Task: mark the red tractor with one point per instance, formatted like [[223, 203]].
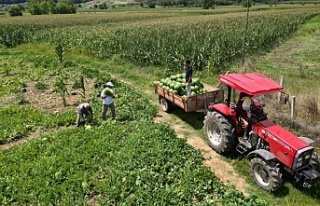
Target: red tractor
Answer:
[[271, 149]]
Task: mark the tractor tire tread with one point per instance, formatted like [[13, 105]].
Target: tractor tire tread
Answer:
[[274, 171], [226, 130]]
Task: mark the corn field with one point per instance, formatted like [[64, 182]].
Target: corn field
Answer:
[[212, 42]]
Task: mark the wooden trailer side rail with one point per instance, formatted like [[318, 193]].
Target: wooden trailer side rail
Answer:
[[192, 103]]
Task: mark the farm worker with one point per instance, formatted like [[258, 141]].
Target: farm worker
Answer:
[[85, 112], [243, 111], [188, 76], [107, 96]]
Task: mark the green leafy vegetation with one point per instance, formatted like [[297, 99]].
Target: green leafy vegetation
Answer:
[[18, 121], [15, 11], [133, 163], [168, 43]]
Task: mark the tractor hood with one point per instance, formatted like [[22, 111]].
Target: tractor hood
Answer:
[[250, 83], [279, 136]]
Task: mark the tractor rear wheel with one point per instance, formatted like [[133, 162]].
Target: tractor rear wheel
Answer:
[[266, 174], [165, 104], [219, 132]]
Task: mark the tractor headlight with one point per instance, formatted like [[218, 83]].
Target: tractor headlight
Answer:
[[299, 164], [302, 157]]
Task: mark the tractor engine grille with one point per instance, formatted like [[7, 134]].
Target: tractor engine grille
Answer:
[[302, 158]]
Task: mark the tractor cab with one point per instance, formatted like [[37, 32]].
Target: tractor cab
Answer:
[[253, 84]]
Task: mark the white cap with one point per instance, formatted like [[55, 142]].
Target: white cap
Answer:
[[109, 84], [86, 105]]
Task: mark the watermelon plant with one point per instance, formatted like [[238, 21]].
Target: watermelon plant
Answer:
[[132, 163], [18, 121]]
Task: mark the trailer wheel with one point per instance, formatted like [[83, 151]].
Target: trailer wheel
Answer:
[[219, 132], [266, 175], [165, 104]]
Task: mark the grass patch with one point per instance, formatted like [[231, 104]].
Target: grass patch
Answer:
[[312, 27]]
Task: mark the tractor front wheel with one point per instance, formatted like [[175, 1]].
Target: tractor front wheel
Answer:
[[219, 132], [266, 174], [315, 161]]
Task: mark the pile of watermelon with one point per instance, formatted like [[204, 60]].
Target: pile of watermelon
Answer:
[[176, 84]]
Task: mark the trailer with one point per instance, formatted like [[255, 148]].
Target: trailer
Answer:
[[195, 103]]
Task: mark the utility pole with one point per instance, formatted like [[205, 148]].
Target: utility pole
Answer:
[[245, 36]]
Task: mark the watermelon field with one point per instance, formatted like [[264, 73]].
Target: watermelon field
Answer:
[[51, 63]]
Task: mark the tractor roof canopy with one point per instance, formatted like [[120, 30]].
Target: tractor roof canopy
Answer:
[[250, 83]]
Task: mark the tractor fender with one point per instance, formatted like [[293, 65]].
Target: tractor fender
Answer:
[[223, 109], [307, 140], [264, 154]]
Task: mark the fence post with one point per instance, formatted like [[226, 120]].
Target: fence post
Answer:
[[279, 93], [293, 109]]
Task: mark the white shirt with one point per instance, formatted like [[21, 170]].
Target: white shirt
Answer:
[[246, 105], [108, 100]]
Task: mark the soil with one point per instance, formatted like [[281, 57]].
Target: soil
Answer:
[[52, 101], [46, 100]]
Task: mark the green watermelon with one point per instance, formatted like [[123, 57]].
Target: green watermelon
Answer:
[[177, 86], [108, 92], [173, 77]]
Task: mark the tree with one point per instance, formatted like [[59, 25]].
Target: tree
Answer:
[[152, 5], [15, 11], [52, 6], [45, 9], [65, 8], [103, 6], [246, 3], [208, 4], [72, 6], [34, 7]]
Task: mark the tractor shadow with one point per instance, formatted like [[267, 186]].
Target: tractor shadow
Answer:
[[310, 193], [194, 119]]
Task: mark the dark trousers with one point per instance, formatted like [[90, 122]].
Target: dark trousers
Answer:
[[84, 117], [105, 108]]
